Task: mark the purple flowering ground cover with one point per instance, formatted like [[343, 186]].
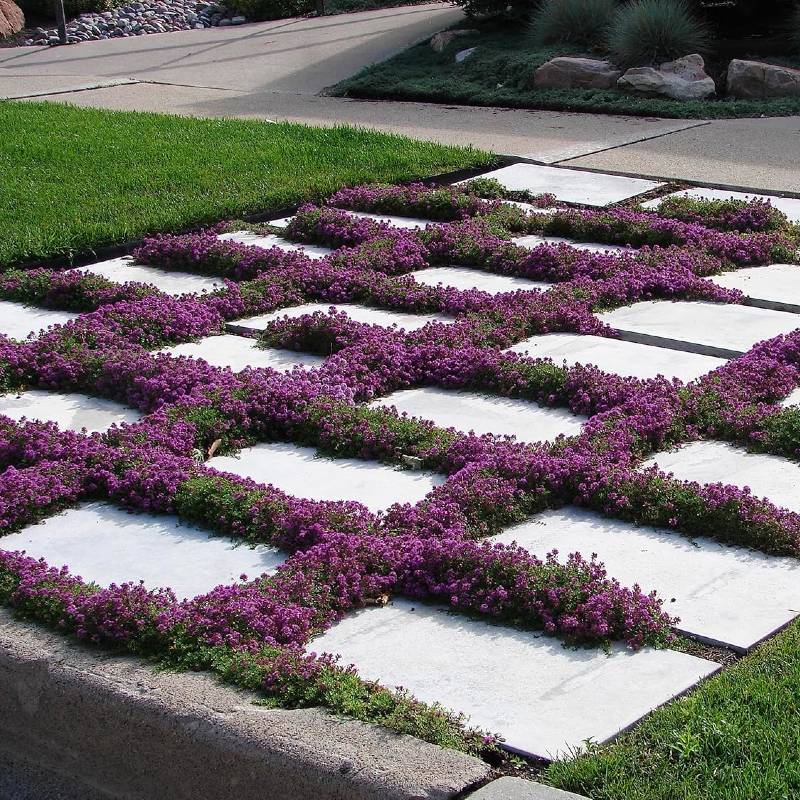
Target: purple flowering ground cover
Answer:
[[342, 556]]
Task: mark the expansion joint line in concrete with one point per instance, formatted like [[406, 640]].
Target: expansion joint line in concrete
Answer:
[[527, 160]]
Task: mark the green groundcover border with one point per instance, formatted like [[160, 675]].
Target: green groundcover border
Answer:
[[500, 73]]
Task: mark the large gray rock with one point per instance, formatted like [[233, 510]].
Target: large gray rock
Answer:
[[11, 18], [440, 41], [753, 79], [682, 79], [463, 55], [576, 73]]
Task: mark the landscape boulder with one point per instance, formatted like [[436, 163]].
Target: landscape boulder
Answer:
[[682, 79], [12, 19], [576, 73], [463, 55], [443, 38], [754, 79]]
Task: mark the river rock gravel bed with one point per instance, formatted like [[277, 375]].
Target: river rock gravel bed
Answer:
[[138, 19]]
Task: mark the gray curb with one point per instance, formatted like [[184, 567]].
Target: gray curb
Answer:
[[519, 789], [110, 728]]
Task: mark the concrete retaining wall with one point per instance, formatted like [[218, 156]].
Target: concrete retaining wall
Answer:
[[100, 727]]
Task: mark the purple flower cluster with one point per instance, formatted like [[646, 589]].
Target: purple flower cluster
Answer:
[[342, 556]]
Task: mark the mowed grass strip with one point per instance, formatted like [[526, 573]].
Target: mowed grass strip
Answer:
[[737, 737], [76, 179]]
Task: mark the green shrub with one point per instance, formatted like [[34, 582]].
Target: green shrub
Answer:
[[581, 22], [272, 9], [647, 32], [794, 30], [43, 9], [494, 8]]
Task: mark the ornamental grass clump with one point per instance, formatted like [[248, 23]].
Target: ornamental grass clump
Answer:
[[580, 22], [649, 32]]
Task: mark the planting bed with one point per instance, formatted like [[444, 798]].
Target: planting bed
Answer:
[[396, 429]]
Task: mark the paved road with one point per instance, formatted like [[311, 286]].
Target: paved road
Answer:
[[277, 70]]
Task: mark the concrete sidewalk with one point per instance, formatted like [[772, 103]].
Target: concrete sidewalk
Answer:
[[292, 56], [278, 70]]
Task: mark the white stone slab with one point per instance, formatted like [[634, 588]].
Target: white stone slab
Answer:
[[371, 316], [70, 411], [723, 595], [280, 223], [121, 270], [542, 697], [714, 329], [19, 321], [468, 411], [466, 279], [570, 185], [105, 544], [299, 471], [531, 209], [776, 286], [239, 352], [590, 247], [628, 359], [246, 237], [792, 399], [788, 205], [772, 477], [409, 223]]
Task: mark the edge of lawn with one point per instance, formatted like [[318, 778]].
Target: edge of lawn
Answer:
[[88, 179], [734, 737]]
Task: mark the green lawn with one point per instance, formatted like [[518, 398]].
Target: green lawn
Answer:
[[737, 737], [76, 179], [500, 73]]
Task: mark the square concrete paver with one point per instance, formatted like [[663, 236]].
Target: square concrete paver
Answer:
[[542, 697], [775, 478], [240, 352], [792, 399], [121, 270], [776, 286], [105, 544], [71, 411], [590, 247], [723, 595], [370, 316], [571, 185], [466, 279], [301, 472], [409, 223], [246, 237], [628, 359], [714, 329], [19, 321], [468, 411], [788, 205]]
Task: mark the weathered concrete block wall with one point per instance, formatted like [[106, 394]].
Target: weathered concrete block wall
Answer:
[[111, 727]]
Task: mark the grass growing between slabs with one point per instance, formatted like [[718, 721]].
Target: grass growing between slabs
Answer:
[[500, 73], [78, 179], [736, 737]]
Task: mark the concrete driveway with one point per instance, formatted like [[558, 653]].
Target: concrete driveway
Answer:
[[295, 56]]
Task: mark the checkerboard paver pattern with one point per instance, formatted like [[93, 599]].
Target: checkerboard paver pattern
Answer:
[[542, 697]]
